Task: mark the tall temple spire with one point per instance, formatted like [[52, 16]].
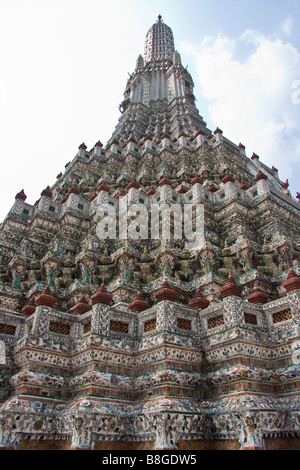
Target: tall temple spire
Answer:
[[159, 43], [157, 90]]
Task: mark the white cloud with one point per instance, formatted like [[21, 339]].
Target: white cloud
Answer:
[[251, 100], [287, 26]]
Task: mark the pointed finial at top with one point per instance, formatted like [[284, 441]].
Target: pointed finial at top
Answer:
[[159, 17]]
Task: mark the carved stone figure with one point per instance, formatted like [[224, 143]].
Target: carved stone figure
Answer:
[[185, 271], [66, 272], [268, 257], [34, 273], [106, 268], [230, 262], [4, 272], [248, 259], [145, 273]]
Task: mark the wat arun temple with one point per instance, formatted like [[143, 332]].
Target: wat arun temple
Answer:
[[153, 342]]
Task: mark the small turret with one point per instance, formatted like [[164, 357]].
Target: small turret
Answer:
[[176, 58], [140, 62]]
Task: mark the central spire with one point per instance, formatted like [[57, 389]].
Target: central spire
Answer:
[[159, 43], [158, 97]]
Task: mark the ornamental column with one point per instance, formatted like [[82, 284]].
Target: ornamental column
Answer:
[[262, 184], [197, 188], [100, 311], [165, 312], [19, 204], [165, 189], [103, 193], [98, 149], [292, 286], [133, 192], [44, 303], [232, 303], [45, 200], [229, 186]]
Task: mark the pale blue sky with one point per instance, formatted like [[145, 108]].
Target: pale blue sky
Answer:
[[64, 66]]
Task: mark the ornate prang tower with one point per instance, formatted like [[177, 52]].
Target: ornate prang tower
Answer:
[[153, 342]]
